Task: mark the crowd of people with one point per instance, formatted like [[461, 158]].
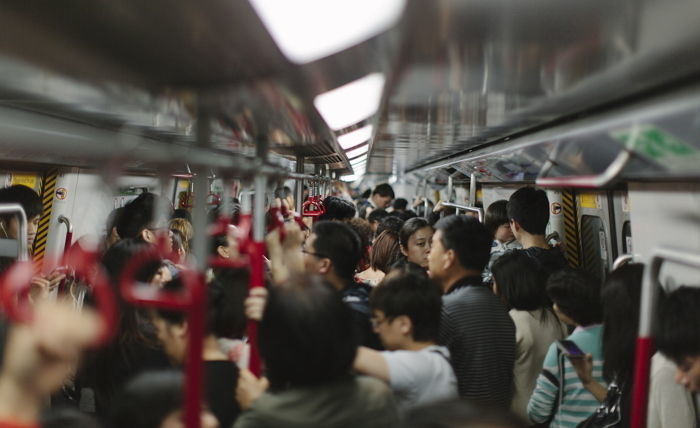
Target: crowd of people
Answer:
[[372, 316]]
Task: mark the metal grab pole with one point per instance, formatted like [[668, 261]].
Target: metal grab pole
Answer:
[[257, 266], [69, 232], [299, 190]]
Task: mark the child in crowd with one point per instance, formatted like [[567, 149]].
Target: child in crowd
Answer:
[[498, 225], [406, 308]]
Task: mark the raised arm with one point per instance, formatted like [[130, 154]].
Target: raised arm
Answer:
[[371, 363]]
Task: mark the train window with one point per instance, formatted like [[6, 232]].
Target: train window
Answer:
[[627, 238], [594, 246]]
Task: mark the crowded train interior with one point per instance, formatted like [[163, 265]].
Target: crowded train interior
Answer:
[[335, 214]]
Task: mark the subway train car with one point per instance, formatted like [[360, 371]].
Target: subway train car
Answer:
[[460, 102]]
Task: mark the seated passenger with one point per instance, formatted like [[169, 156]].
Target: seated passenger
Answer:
[[333, 251], [669, 404], [414, 238], [498, 224], [475, 325], [220, 374], [406, 311], [308, 346], [528, 212], [518, 282], [560, 397], [155, 400]]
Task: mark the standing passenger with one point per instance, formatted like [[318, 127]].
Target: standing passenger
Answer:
[[518, 282], [475, 325], [528, 211], [381, 197], [498, 225], [414, 238]]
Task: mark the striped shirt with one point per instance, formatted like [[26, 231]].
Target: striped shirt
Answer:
[[480, 335], [578, 403]]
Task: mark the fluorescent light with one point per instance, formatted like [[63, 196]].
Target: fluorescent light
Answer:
[[349, 178], [351, 103], [307, 30], [357, 152], [361, 159], [358, 136]]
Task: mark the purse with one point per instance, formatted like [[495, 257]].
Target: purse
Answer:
[[609, 414]]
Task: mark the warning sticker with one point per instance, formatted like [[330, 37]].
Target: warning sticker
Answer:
[[29, 180], [556, 208], [61, 193], [588, 200]]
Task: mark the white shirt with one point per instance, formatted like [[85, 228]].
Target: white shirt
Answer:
[[421, 377], [670, 404]]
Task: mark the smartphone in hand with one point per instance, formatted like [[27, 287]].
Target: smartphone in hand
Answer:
[[570, 349]]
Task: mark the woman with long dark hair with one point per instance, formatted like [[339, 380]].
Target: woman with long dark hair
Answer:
[[414, 241]]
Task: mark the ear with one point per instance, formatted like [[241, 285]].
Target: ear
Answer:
[[405, 324], [148, 236], [515, 226], [325, 266], [450, 259], [180, 330], [222, 251], [404, 250]]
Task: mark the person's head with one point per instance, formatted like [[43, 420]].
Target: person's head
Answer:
[[407, 215], [138, 218], [332, 250], [406, 308], [414, 237], [179, 254], [389, 222], [382, 195], [223, 244], [225, 313], [111, 234], [528, 211], [375, 217], [183, 214], [621, 296], [364, 232], [678, 334], [154, 400], [386, 251], [460, 245], [576, 297], [337, 209], [519, 283], [400, 204], [459, 414], [497, 222], [184, 227], [31, 204], [307, 335]]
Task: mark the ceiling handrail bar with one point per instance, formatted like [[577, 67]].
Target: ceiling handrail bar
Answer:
[[479, 211]]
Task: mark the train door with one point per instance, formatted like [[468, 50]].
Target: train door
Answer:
[[596, 232], [623, 225]]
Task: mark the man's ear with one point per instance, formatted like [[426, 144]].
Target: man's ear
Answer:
[[450, 259], [405, 324], [148, 236], [515, 226], [325, 266], [222, 251], [180, 330]]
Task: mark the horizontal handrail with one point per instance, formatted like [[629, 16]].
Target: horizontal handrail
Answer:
[[611, 173], [479, 211], [622, 260]]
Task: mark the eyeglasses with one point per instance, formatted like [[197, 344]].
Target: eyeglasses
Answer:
[[319, 255]]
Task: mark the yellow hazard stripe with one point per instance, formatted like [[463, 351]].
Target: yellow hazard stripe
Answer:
[[568, 200], [48, 188]]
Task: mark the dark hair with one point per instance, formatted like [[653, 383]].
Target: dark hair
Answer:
[[577, 295], [216, 241], [468, 238], [226, 294], [182, 213], [459, 414], [307, 335], [113, 219], [530, 207], [400, 204], [386, 251], [407, 215], [337, 209], [410, 227], [67, 417], [415, 296], [678, 330], [139, 215], [364, 232], [26, 197], [366, 194], [496, 215], [147, 400], [377, 214], [520, 283], [383, 190], [338, 242], [389, 222]]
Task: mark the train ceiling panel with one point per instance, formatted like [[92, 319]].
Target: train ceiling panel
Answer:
[[473, 73]]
